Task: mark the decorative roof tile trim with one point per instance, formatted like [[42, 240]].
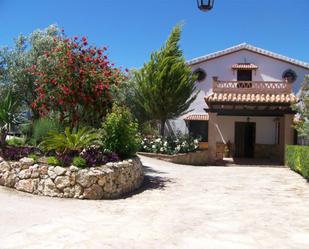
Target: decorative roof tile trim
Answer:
[[250, 48], [197, 117], [250, 98], [245, 66]]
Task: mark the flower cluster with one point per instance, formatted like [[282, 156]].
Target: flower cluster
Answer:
[[75, 80], [170, 145]]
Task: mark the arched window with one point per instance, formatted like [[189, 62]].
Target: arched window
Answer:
[[201, 74], [289, 75]]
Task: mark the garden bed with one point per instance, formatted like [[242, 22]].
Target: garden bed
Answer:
[[108, 181], [199, 157]]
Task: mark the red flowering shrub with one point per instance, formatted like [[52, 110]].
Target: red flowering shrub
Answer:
[[75, 80]]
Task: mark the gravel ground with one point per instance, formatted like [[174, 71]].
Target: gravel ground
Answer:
[[177, 207]]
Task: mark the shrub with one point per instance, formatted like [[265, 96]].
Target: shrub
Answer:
[[34, 157], [94, 156], [53, 161], [120, 132], [13, 153], [69, 141], [170, 145], [42, 127], [16, 141], [79, 162], [297, 158]]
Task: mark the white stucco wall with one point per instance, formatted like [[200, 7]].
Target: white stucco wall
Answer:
[[269, 69], [265, 129]]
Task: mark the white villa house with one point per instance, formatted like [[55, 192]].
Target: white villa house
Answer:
[[243, 106]]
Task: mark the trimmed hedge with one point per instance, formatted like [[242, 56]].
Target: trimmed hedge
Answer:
[[297, 158]]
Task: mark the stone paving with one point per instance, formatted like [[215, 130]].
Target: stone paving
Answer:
[[178, 207]]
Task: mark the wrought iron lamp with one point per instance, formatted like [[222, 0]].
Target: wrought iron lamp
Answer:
[[205, 5]]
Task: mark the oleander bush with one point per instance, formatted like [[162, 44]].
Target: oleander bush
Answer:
[[297, 158], [173, 144]]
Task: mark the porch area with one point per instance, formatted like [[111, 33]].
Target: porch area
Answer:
[[249, 119]]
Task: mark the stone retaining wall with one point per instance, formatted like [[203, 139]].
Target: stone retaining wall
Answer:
[[199, 157], [105, 182]]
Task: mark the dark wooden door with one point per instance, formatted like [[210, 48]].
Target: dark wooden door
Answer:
[[244, 139], [244, 75]]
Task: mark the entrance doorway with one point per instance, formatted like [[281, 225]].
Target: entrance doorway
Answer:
[[244, 139]]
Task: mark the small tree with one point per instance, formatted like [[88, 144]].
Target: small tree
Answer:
[[74, 79], [165, 85], [15, 61], [302, 107]]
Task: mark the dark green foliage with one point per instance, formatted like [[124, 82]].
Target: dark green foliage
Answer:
[[16, 61], [120, 132], [297, 158], [165, 86], [79, 162], [53, 161], [42, 127]]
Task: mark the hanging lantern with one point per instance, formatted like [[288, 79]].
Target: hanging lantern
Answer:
[[205, 5]]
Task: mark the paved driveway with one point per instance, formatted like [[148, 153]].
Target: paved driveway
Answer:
[[179, 207]]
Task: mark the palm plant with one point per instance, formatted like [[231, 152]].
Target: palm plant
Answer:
[[68, 141], [9, 115]]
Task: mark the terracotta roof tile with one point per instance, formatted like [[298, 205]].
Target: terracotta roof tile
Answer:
[[197, 117], [251, 98]]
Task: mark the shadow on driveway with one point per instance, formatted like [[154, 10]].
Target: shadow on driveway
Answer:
[[152, 181]]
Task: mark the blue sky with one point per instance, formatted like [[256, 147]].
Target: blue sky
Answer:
[[132, 29]]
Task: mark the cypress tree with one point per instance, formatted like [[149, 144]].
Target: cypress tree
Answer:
[[165, 86]]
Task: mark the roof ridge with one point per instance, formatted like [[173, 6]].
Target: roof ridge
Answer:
[[250, 47]]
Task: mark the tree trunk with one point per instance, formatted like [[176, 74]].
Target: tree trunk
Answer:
[[162, 127], [3, 136]]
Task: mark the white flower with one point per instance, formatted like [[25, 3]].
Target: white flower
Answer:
[[161, 149], [153, 146], [165, 144], [158, 140]]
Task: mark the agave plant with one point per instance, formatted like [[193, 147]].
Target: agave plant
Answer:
[[68, 141], [9, 115]]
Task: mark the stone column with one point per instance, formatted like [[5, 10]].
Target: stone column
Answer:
[[212, 137]]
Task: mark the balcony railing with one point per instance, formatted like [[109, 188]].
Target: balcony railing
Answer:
[[267, 87]]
